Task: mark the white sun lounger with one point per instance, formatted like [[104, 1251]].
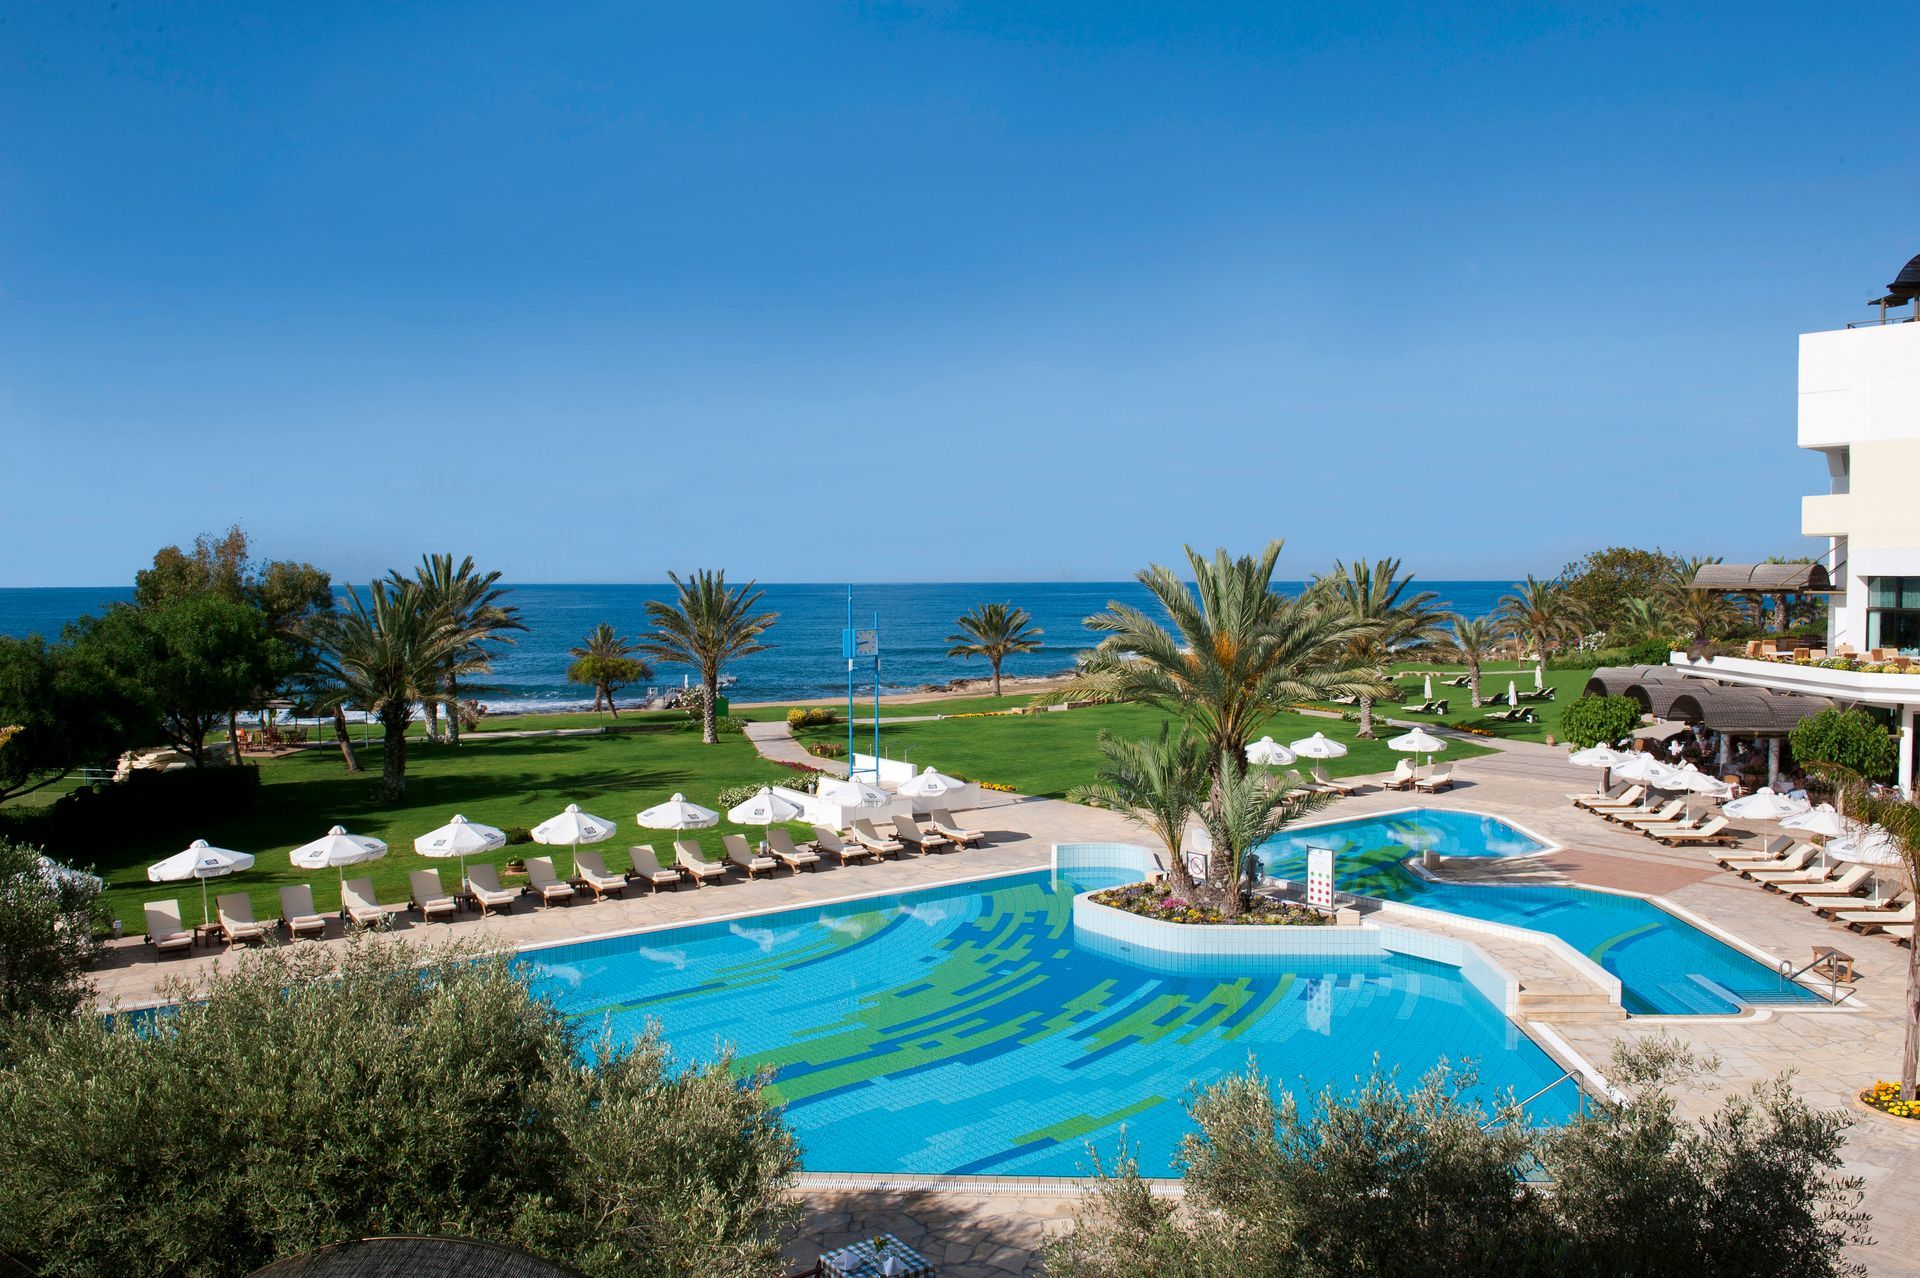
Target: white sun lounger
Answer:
[[873, 841], [164, 929], [236, 918], [358, 904], [483, 885], [429, 897], [908, 831], [742, 854], [829, 842], [942, 820], [694, 864], [592, 871], [781, 844], [297, 912], [546, 883]]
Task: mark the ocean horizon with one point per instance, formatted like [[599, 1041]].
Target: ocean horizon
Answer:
[[804, 661]]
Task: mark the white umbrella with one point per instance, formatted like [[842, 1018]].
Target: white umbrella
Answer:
[[1513, 695], [1765, 805], [930, 784], [1419, 741], [1598, 757], [1429, 688], [200, 861], [1269, 752], [57, 874], [1872, 846], [1822, 822], [1694, 781], [845, 792], [1318, 746], [677, 814], [338, 849], [462, 838], [764, 808], [572, 828], [1642, 767]]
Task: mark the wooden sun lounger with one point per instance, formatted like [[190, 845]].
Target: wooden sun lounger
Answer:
[[694, 864], [829, 843], [1627, 798], [1848, 886], [1441, 780], [431, 899], [1893, 902], [592, 871], [1901, 932], [1772, 857], [298, 914], [873, 841], [1874, 920], [1794, 860], [908, 831], [1778, 880], [483, 885], [744, 856], [647, 868], [236, 918], [796, 859], [942, 820], [1713, 831], [165, 932], [1665, 816], [546, 883], [358, 904], [1341, 788], [1402, 778]]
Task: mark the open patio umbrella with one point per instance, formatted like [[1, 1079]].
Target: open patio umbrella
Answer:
[[1269, 753], [462, 838], [930, 784], [337, 849], [1821, 822], [1642, 767], [200, 861], [1318, 747], [1765, 805], [1871, 846], [1419, 741], [847, 792], [60, 875], [572, 828], [764, 808], [678, 814], [1600, 757]]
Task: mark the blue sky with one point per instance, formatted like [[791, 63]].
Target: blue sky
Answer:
[[925, 291]]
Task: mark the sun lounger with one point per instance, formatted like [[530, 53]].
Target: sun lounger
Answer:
[[546, 884], [1847, 887], [1674, 810], [1512, 714], [1873, 920], [746, 858], [1441, 780], [780, 843], [1789, 880], [1351, 699], [871, 839], [592, 871], [164, 930], [1797, 856], [908, 831], [647, 868], [942, 820], [236, 918], [358, 904], [1622, 799], [483, 885], [1402, 778], [1538, 694], [429, 897], [1438, 706], [829, 843], [694, 864], [1713, 831], [1901, 932], [1325, 782], [297, 912]]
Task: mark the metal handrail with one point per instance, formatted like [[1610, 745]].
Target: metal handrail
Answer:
[[1536, 1095], [1790, 973]]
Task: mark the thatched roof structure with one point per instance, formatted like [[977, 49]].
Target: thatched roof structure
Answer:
[[1614, 681], [1746, 712], [413, 1257], [1768, 579]]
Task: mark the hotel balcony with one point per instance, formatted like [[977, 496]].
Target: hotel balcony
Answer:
[[1844, 686], [1826, 515]]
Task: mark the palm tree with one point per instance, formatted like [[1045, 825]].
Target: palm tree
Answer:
[[606, 661], [385, 652], [1473, 642], [471, 602], [1159, 783], [707, 626], [1242, 811], [1541, 613], [1392, 623], [1702, 613], [1643, 617], [1237, 652], [995, 631]]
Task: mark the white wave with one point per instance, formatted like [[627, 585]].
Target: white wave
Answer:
[[931, 915], [765, 938], [852, 927], [675, 959]]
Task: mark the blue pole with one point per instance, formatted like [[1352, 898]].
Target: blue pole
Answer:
[[876, 696], [847, 642]]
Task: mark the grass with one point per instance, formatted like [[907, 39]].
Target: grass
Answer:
[[1493, 687]]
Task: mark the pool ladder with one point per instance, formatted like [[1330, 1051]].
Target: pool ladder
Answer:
[[1789, 974]]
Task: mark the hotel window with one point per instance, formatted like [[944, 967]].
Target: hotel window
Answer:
[[1893, 613]]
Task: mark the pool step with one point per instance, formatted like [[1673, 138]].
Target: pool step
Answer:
[[1568, 1007]]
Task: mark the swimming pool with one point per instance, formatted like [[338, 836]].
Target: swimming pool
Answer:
[[1666, 966], [962, 1030]]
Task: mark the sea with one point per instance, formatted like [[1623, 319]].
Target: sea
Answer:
[[803, 660]]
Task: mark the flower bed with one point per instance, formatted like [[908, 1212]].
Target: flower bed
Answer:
[[1885, 1097], [1157, 903]]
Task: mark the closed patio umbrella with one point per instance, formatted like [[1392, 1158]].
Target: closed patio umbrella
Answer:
[[462, 838], [202, 861], [572, 828], [336, 849], [764, 808], [678, 814]]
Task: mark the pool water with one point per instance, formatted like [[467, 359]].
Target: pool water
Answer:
[[961, 1030], [1666, 966]]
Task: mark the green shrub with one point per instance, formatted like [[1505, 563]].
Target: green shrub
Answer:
[[1851, 738], [1590, 658], [811, 717], [46, 937], [1599, 720], [827, 750], [518, 834], [1649, 652], [148, 804]]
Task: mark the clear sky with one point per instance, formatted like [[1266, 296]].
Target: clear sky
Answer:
[[925, 291]]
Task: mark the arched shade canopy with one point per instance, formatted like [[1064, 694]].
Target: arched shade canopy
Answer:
[[1746, 712], [1768, 579], [1613, 681]]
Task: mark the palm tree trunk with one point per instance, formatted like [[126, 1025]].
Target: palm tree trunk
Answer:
[[233, 737], [613, 707], [709, 733], [1473, 684], [453, 710], [1366, 716], [432, 709], [996, 677], [1910, 1053], [393, 768], [345, 739]]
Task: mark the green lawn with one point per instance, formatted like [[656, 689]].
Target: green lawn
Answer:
[[516, 782], [896, 710], [1493, 686], [1050, 753]]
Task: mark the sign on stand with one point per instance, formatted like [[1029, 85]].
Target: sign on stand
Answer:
[[1320, 878]]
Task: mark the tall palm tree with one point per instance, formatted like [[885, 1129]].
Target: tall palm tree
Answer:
[[472, 604], [1242, 811], [385, 652], [1543, 614], [606, 661], [1160, 783], [706, 626], [1392, 624], [995, 631], [1236, 653], [1702, 613], [1643, 617], [1473, 641]]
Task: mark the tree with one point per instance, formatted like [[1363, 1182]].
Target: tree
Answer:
[[383, 653], [1243, 810], [1592, 721], [1159, 783], [706, 626], [1601, 582], [1543, 614], [215, 568], [995, 631], [61, 715], [1472, 641], [1237, 652], [605, 661], [1391, 624], [381, 1097], [1642, 617], [46, 937], [1702, 614], [471, 602], [1850, 738]]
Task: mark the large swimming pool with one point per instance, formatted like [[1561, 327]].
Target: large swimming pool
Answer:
[[1666, 966], [962, 1030]]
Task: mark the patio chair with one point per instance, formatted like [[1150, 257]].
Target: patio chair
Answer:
[[1899, 932], [357, 902], [1712, 832], [1425, 707], [592, 871], [1403, 776], [743, 856], [483, 885], [1788, 880], [1665, 816], [1300, 781], [546, 883], [908, 831], [871, 839], [429, 897], [1325, 782], [236, 918], [298, 914], [1771, 855], [781, 844], [942, 820], [165, 932], [1350, 699], [694, 864], [828, 843], [1538, 694], [1629, 797], [647, 868], [1847, 888], [1441, 780], [1796, 857], [1874, 920]]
